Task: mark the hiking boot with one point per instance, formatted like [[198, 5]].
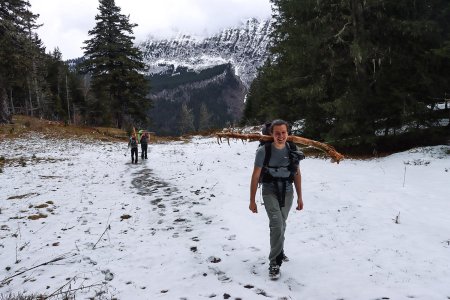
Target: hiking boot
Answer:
[[274, 272], [285, 258]]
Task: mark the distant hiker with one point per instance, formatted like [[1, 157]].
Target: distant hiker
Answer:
[[145, 137], [277, 165], [134, 148]]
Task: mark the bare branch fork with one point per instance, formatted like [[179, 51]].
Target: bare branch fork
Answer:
[[58, 258], [335, 156], [106, 229], [73, 290], [60, 290]]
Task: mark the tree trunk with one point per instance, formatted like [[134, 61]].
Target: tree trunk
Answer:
[[13, 110], [29, 98], [5, 115]]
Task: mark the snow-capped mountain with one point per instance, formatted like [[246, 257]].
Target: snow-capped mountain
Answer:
[[245, 47]]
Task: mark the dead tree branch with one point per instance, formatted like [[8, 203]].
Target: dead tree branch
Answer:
[[335, 156]]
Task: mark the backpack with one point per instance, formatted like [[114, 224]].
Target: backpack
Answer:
[[265, 130], [295, 156], [133, 143], [144, 138]]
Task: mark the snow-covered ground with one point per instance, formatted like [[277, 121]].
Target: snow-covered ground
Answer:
[[177, 226]]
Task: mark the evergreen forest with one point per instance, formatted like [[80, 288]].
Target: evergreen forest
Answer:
[[362, 75]]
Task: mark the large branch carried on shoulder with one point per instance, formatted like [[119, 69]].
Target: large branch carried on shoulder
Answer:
[[335, 156]]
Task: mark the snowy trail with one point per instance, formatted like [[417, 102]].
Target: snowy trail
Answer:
[[177, 226]]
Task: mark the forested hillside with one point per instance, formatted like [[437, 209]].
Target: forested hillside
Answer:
[[186, 101], [360, 74]]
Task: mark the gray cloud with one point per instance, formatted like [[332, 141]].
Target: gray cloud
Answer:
[[66, 23]]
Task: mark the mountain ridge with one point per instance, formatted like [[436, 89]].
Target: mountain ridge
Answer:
[[245, 47]]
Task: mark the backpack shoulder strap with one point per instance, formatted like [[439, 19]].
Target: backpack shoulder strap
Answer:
[[291, 145], [268, 153]]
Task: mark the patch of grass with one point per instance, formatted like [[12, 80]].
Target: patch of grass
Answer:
[[22, 162], [2, 163], [44, 205], [124, 217], [37, 217]]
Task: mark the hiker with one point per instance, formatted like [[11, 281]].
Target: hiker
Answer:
[[277, 163], [145, 137], [134, 148]]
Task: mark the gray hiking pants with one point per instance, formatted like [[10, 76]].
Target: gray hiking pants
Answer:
[[277, 221]]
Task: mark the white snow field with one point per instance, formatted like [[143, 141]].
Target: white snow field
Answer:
[[78, 218]]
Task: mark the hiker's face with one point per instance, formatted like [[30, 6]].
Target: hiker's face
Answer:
[[280, 133]]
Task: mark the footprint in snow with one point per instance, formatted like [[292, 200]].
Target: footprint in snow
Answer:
[[231, 237]]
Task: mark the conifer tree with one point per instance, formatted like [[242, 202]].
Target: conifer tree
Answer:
[[116, 68], [204, 118], [20, 54], [186, 119]]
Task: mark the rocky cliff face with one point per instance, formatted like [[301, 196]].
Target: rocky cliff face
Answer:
[[244, 47]]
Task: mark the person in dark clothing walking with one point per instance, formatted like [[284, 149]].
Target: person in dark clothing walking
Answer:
[[134, 148], [144, 144], [278, 166]]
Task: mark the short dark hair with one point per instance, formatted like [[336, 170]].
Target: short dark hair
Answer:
[[278, 122]]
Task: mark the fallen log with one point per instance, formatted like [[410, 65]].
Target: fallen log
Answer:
[[335, 156]]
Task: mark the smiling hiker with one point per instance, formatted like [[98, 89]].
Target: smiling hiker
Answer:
[[277, 167], [134, 148]]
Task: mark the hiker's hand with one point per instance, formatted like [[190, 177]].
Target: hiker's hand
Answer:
[[253, 207], [299, 204]]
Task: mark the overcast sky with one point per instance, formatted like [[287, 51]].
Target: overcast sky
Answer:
[[67, 22]]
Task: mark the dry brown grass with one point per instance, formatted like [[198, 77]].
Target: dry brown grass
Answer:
[[24, 126], [37, 217]]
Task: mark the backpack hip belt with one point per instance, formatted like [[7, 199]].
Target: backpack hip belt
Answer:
[[281, 195]]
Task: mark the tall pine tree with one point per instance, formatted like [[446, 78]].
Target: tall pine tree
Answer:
[[116, 67]]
